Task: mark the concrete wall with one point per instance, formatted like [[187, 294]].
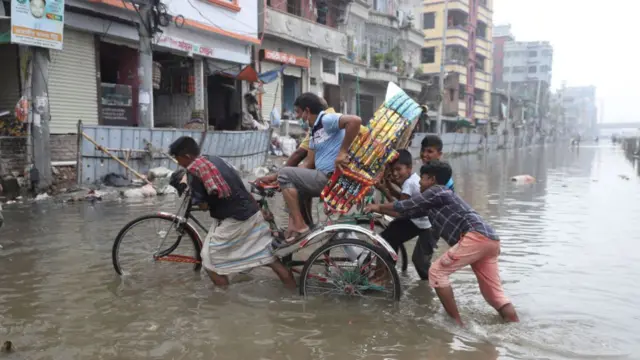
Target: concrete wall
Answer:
[[13, 156]]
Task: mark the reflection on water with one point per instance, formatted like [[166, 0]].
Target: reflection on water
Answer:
[[568, 263]]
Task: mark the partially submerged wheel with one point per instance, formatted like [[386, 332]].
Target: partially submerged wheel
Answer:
[[153, 239], [350, 267]]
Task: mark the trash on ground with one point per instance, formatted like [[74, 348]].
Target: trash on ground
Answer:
[[288, 145], [623, 177], [43, 196], [143, 192], [523, 179], [260, 171], [116, 180], [159, 172]]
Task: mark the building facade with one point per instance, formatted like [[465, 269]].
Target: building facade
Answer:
[[501, 35], [344, 51], [580, 110], [527, 74], [468, 54]]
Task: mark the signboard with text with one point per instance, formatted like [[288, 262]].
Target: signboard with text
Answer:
[[37, 23], [284, 58], [183, 45]]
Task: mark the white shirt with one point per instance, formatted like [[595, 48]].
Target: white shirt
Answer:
[[411, 187]]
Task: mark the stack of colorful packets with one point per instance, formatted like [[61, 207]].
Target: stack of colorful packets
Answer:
[[370, 152]]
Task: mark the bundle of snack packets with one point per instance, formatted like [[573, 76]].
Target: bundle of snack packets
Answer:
[[371, 151]]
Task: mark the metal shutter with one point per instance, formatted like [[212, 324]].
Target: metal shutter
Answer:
[[72, 83], [271, 91], [9, 87], [293, 71]]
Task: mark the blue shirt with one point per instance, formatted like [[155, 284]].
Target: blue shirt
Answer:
[[326, 140]]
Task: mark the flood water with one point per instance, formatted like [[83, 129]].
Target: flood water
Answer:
[[570, 261]]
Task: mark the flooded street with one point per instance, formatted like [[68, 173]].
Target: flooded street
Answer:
[[569, 263]]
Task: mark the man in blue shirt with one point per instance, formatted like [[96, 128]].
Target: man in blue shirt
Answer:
[[330, 139]]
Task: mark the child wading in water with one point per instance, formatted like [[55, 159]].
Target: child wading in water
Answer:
[[404, 229], [473, 241], [239, 238]]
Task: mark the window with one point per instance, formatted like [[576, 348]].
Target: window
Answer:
[[478, 94], [547, 53], [480, 62], [533, 53], [429, 20], [461, 92], [328, 66], [544, 68], [519, 69], [506, 70], [532, 69], [428, 55]]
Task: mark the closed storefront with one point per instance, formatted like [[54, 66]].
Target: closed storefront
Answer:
[[72, 83], [282, 93], [9, 77]]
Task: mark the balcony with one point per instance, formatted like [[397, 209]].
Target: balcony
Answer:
[[484, 13], [382, 19], [304, 32], [412, 36], [410, 84], [457, 36], [366, 73], [461, 5]]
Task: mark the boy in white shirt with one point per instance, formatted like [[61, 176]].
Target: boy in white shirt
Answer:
[[404, 229]]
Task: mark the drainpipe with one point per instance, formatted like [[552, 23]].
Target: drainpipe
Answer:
[[443, 51]]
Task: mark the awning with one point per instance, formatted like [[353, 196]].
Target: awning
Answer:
[[248, 73], [462, 122]]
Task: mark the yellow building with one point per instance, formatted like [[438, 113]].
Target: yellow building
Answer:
[[468, 63]]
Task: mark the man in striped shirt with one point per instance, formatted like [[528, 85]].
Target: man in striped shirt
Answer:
[[473, 242]]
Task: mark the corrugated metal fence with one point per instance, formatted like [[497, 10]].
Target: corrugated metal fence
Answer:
[[460, 143], [244, 149]]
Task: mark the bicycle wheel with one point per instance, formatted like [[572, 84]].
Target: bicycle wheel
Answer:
[[160, 241], [350, 267], [403, 260]]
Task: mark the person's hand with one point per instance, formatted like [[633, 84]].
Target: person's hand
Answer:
[[267, 179], [371, 208], [382, 184], [342, 159]]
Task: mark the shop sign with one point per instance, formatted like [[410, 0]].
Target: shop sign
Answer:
[[183, 45], [117, 104], [37, 23], [284, 58]]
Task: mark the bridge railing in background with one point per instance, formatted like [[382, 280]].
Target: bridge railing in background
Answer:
[[460, 143], [245, 150]]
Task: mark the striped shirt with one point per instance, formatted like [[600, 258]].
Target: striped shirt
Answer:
[[451, 217]]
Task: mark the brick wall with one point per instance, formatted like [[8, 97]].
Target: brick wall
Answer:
[[64, 147], [13, 154]]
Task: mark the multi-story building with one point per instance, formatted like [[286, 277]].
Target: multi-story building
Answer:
[[580, 109], [501, 35], [527, 74], [345, 51], [467, 54]]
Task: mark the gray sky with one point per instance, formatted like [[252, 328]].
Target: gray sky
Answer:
[[594, 43]]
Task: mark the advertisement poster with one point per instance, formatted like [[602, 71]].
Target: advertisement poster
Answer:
[[37, 23], [117, 105]]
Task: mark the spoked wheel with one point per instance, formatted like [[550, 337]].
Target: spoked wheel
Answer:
[[154, 242], [379, 227], [350, 267]]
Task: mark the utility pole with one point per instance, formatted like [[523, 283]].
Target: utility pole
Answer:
[[41, 176], [538, 117], [508, 117], [145, 67], [443, 56]]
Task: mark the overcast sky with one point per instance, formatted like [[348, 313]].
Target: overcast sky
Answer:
[[595, 43]]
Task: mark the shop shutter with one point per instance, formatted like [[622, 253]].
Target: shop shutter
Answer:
[[72, 83], [271, 91], [293, 71], [9, 87]]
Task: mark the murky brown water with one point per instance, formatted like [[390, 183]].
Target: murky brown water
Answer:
[[569, 262]]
